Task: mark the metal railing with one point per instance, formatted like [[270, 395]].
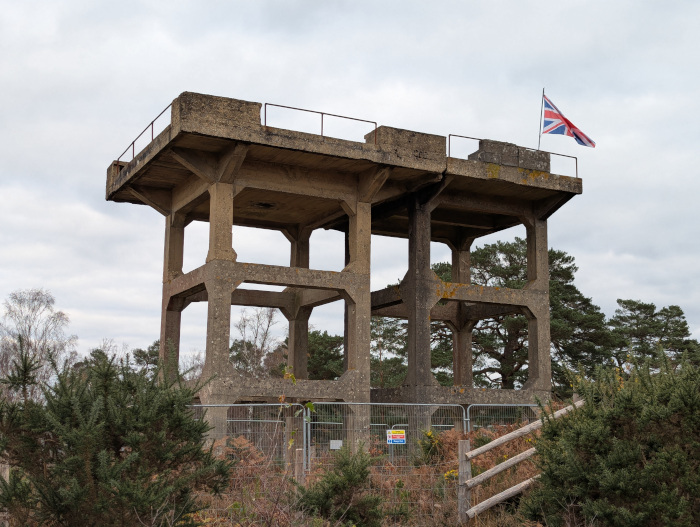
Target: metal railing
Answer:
[[449, 149], [322, 114], [132, 146]]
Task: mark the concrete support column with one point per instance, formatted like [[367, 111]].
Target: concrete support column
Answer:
[[221, 222], [537, 254], [218, 326], [298, 343], [539, 357], [462, 329], [359, 305], [170, 322], [171, 312], [539, 339], [217, 419], [357, 427], [174, 246], [462, 364], [419, 297]]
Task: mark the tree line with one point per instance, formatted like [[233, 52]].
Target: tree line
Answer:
[[582, 337]]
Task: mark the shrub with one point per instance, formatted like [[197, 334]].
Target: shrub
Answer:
[[629, 457], [342, 494], [107, 445]]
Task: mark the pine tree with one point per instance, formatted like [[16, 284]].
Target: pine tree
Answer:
[[107, 445], [325, 356]]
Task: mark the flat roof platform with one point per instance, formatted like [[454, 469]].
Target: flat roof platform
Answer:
[[296, 178]]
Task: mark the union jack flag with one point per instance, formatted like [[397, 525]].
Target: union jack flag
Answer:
[[554, 122]]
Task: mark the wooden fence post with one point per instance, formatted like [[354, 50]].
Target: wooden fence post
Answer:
[[464, 495]]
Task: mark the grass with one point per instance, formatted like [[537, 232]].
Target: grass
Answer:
[[416, 491]]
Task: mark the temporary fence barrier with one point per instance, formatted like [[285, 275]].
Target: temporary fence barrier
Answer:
[[415, 467], [488, 415]]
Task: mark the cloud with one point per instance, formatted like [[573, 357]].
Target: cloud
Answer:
[[81, 80]]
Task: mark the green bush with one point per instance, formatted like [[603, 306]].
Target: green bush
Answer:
[[106, 445], [629, 457], [342, 494]]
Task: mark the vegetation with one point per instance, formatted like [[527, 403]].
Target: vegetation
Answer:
[[342, 493], [105, 445], [582, 338], [29, 317], [629, 457]]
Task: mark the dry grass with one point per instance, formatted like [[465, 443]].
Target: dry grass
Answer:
[[263, 493]]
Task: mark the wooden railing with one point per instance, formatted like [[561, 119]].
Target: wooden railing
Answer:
[[467, 482]]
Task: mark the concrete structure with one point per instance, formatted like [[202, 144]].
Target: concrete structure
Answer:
[[216, 162]]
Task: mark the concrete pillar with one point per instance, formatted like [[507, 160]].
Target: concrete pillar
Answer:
[[217, 419], [359, 307], [221, 222], [218, 326], [539, 368], [537, 254], [170, 322], [357, 427], [298, 343], [462, 366], [539, 340], [171, 311], [174, 246], [419, 298]]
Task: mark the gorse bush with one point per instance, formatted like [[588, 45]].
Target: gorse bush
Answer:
[[629, 457], [107, 445], [342, 495]]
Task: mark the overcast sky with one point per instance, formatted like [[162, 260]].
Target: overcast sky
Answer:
[[79, 80]]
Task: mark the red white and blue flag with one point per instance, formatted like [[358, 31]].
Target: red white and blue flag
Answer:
[[554, 122]]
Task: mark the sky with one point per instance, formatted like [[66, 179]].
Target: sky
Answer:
[[79, 80]]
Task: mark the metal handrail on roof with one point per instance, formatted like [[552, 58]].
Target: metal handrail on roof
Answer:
[[449, 148], [322, 114]]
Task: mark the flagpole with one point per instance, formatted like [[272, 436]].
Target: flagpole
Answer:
[[539, 128]]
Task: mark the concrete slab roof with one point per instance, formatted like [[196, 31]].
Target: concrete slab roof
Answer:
[[295, 178]]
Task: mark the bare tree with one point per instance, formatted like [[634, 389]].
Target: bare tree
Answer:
[[29, 317], [191, 366], [255, 329]]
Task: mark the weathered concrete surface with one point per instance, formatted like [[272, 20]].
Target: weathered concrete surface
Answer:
[[216, 162]]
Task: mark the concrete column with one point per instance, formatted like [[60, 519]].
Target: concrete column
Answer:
[[298, 343], [171, 312], [217, 419], [537, 254], [539, 340], [539, 357], [221, 222], [170, 321], [174, 246], [218, 326], [300, 249], [359, 307], [418, 295], [357, 427], [462, 366]]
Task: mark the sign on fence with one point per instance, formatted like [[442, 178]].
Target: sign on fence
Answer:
[[396, 437]]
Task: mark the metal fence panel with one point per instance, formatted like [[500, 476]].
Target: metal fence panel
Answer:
[[272, 444], [489, 415]]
